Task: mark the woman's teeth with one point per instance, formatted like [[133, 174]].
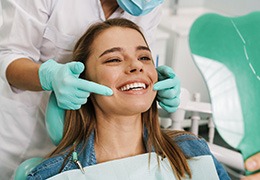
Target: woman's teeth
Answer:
[[133, 86]]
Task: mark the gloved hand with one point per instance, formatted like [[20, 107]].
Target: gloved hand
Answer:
[[71, 92], [168, 88]]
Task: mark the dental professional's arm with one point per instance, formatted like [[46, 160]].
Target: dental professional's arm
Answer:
[[253, 164], [23, 74], [70, 90]]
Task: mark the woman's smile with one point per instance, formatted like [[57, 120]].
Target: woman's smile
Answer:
[[135, 87]]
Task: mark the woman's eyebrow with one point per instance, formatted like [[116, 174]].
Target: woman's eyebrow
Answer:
[[111, 50], [119, 49], [143, 48]]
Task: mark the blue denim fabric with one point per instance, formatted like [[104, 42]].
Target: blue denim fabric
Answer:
[[190, 145]]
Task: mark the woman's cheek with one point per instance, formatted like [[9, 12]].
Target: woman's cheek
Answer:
[[154, 75], [107, 78]]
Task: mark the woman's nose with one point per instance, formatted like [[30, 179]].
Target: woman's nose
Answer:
[[135, 66]]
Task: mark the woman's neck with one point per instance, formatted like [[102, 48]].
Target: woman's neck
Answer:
[[109, 7], [118, 138]]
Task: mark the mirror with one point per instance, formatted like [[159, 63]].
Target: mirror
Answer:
[[226, 50]]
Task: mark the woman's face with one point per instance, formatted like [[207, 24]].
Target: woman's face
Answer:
[[121, 60]]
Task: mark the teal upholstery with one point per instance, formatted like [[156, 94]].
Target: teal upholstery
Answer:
[[25, 168]]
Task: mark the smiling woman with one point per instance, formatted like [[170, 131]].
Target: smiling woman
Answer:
[[125, 64], [113, 128]]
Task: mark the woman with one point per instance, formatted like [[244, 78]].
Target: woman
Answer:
[[35, 32], [116, 54]]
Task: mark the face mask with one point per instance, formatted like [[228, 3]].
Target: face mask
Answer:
[[138, 7]]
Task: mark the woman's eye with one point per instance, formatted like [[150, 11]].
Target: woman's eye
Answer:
[[113, 60], [144, 58]]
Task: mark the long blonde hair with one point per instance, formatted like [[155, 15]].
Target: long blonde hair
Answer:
[[80, 123]]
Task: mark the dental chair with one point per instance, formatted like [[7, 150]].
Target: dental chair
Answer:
[[226, 50]]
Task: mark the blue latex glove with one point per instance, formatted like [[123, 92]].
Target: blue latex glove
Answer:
[[71, 92], [168, 88]]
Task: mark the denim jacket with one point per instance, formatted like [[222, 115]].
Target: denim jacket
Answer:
[[191, 146]]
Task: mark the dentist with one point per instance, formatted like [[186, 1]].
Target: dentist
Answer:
[[36, 43]]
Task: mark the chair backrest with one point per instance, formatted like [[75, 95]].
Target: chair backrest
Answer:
[[226, 50], [26, 167]]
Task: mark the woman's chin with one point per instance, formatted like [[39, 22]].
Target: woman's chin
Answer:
[[138, 108]]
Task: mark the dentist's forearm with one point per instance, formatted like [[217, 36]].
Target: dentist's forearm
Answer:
[[23, 74]]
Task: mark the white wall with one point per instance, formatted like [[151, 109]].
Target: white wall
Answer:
[[233, 7], [190, 3], [1, 17], [184, 3]]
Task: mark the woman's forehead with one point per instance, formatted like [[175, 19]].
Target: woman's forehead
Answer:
[[117, 37]]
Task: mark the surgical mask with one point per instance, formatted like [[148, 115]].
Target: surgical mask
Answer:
[[139, 7]]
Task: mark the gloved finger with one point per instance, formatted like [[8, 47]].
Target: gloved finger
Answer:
[[165, 72], [76, 67], [175, 102], [168, 108], [80, 94], [74, 99], [79, 101], [93, 87], [75, 106], [68, 105], [166, 84], [169, 93]]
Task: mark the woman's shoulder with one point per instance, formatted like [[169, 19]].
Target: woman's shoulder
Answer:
[[191, 144], [49, 168]]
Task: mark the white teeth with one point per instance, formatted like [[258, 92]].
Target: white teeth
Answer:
[[133, 86]]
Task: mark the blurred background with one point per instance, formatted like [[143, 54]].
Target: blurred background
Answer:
[[178, 16]]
